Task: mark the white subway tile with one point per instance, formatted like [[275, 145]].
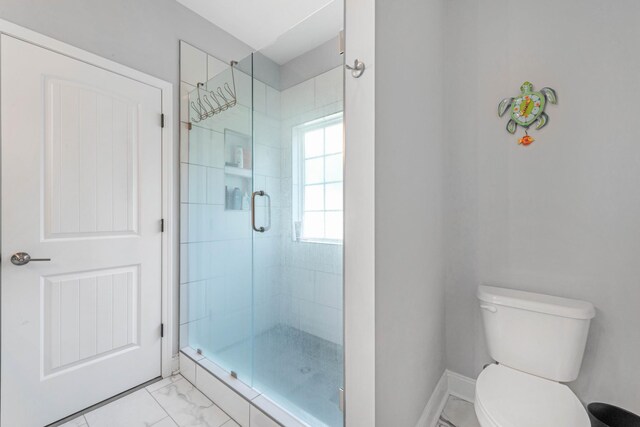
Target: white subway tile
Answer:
[[185, 104], [193, 64], [184, 335], [237, 225], [259, 419], [329, 87], [228, 400], [215, 186], [188, 368], [206, 147], [302, 283], [215, 66], [259, 97], [298, 99], [184, 143], [328, 289], [196, 183], [273, 103], [275, 411], [243, 88], [266, 160]]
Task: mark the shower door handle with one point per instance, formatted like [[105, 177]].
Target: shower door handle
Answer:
[[253, 211]]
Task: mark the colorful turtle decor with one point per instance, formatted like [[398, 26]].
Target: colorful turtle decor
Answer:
[[527, 109]]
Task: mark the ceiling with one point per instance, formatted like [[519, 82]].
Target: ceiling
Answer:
[[297, 25]]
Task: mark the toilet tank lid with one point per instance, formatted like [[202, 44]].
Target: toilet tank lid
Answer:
[[558, 306]]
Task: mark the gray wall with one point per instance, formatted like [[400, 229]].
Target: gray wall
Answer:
[[561, 216], [408, 215], [142, 34], [311, 64]]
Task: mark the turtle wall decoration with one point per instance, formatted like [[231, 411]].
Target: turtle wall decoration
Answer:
[[527, 109]]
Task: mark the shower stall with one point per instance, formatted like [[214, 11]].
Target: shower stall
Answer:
[[262, 229]]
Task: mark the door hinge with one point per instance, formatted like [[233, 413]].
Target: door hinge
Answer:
[[161, 120], [341, 399], [162, 225], [161, 330]]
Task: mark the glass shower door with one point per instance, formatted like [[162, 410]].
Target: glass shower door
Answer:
[[297, 241], [261, 239], [216, 241]]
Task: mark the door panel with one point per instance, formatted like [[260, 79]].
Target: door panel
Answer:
[[91, 142], [81, 185], [88, 316]]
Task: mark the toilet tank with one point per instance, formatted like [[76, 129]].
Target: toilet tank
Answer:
[[539, 334]]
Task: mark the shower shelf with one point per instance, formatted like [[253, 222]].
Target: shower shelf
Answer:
[[231, 170]]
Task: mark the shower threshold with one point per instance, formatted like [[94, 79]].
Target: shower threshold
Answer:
[[295, 385]]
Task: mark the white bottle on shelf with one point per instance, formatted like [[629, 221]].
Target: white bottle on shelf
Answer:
[[238, 156], [246, 202]]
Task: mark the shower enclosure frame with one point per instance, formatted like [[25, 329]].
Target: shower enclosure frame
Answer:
[[192, 359], [359, 232]]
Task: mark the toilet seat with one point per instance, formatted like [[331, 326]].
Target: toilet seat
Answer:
[[506, 397]]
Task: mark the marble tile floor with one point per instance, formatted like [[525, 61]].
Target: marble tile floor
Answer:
[[458, 413], [171, 402]]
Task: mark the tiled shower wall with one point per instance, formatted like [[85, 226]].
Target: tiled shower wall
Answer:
[[312, 272], [295, 283], [215, 243]]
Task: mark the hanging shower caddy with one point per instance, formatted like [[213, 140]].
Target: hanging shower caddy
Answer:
[[210, 103]]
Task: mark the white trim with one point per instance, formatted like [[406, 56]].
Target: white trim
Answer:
[[450, 384], [299, 176], [359, 218], [168, 238], [166, 90], [461, 386], [175, 364], [436, 403]]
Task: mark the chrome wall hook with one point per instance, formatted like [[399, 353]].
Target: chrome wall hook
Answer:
[[357, 69]]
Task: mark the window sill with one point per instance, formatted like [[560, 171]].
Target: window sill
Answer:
[[319, 241]]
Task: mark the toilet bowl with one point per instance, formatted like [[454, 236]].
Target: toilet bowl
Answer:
[[538, 342], [506, 397]]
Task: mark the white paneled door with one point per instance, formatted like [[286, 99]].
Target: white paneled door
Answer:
[[81, 186]]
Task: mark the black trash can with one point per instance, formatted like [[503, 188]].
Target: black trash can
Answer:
[[604, 415]]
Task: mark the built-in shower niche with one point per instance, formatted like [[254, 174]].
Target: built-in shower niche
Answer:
[[237, 171]]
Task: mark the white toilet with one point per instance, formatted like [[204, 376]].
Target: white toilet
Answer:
[[538, 342]]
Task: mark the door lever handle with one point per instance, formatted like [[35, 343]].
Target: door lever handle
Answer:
[[23, 258]]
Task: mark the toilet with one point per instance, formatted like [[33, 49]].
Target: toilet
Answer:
[[537, 342]]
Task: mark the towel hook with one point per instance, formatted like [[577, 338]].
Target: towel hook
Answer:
[[357, 69], [213, 102]]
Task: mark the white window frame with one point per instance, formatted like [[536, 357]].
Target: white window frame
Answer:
[[298, 174]]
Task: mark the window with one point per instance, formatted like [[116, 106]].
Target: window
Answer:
[[317, 180]]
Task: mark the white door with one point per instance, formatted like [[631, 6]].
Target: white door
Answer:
[[81, 185]]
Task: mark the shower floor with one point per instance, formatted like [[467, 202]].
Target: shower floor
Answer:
[[299, 371]]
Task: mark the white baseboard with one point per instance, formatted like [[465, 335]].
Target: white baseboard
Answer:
[[450, 384], [461, 386], [175, 364], [435, 404]]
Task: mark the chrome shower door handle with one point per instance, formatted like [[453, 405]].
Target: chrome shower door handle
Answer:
[[253, 211], [23, 258]]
